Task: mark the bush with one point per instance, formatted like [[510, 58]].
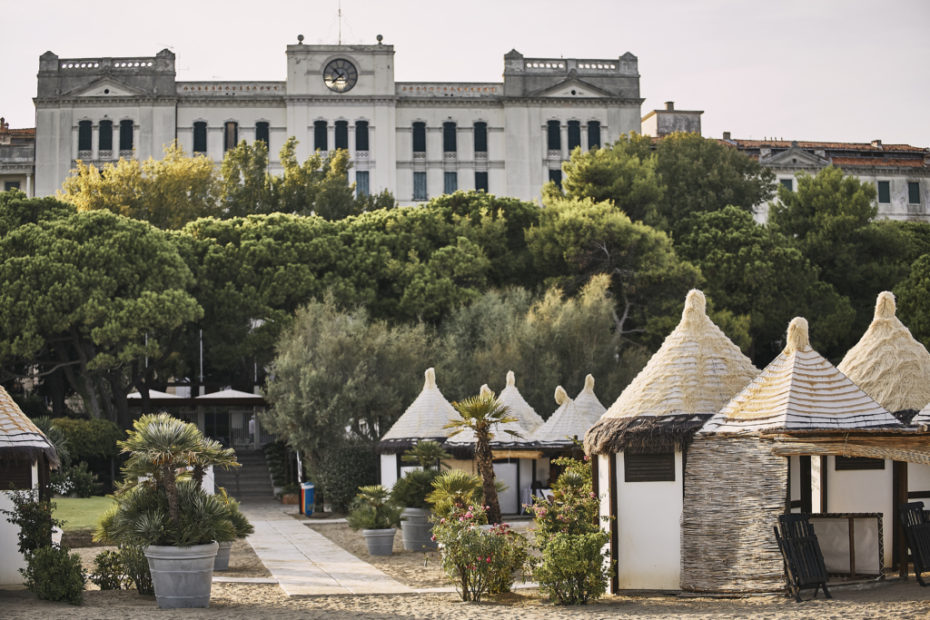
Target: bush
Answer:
[[453, 491], [34, 518], [343, 471], [54, 574], [136, 566], [76, 480], [89, 438], [109, 572], [372, 509], [411, 490]]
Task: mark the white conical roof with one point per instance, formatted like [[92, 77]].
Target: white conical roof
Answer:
[[526, 416], [697, 370], [922, 418], [800, 390], [888, 363], [427, 415], [499, 432], [573, 418]]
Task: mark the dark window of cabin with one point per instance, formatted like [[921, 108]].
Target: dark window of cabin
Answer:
[[125, 135], [650, 467], [574, 134], [319, 136], [105, 136], [850, 463], [594, 134], [361, 135], [481, 137], [419, 137], [481, 181], [263, 132], [84, 135], [554, 136], [200, 137], [341, 137]]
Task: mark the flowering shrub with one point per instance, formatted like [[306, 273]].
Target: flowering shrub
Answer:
[[478, 559], [572, 569]]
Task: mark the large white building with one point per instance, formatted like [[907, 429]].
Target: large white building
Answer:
[[415, 139]]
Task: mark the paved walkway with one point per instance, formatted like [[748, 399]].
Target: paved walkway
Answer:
[[306, 563]]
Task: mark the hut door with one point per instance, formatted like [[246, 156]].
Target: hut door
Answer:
[[507, 472]]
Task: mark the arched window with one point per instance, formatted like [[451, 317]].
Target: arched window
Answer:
[[361, 135], [554, 136], [594, 134], [481, 137], [230, 135], [341, 137], [105, 137], [319, 136], [200, 137], [125, 135], [574, 134], [448, 139], [262, 132], [419, 137], [85, 130]]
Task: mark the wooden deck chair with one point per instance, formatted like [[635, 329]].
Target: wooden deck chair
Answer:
[[804, 566], [917, 532]]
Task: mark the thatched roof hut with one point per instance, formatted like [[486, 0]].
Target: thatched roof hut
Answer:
[[506, 438], [695, 372], [572, 419], [20, 439], [425, 418], [889, 364]]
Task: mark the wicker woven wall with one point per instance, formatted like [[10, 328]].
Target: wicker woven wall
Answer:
[[734, 491]]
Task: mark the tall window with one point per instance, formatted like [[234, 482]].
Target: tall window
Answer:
[[200, 137], [230, 135], [105, 137], [419, 137], [913, 192], [262, 132], [85, 131], [574, 134], [594, 134], [361, 135], [556, 177], [481, 181], [448, 138], [319, 136], [481, 137], [788, 184], [341, 137], [361, 183], [554, 136], [419, 186], [884, 191], [125, 135], [450, 182]]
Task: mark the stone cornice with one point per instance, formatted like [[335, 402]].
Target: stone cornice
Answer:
[[88, 102]]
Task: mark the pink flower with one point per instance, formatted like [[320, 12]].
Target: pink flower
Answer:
[[488, 560], [443, 520], [461, 518], [469, 515], [433, 538]]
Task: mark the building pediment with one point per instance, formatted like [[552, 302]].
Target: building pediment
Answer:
[[106, 87], [572, 87], [794, 156]]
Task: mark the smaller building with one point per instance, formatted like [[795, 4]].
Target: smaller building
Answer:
[[17, 158], [659, 123]]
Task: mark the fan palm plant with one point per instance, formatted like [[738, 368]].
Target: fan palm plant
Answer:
[[480, 413]]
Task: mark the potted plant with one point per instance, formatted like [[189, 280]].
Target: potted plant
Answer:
[[242, 529], [162, 506], [411, 491], [374, 513]]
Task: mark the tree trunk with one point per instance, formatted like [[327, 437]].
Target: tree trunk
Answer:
[[484, 459], [171, 490]]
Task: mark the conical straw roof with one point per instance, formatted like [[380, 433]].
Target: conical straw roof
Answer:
[[527, 418], [426, 417], [19, 437], [800, 391], [572, 419], [695, 372], [888, 363], [922, 418]]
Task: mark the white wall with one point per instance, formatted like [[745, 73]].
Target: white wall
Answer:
[[918, 479], [649, 525], [12, 560], [389, 470], [866, 490]]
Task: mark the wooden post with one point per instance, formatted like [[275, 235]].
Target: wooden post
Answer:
[[899, 486], [807, 503], [852, 547], [614, 526]]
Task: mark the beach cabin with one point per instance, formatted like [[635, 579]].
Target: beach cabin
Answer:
[[771, 450], [425, 419], [26, 457], [517, 462], [639, 445]]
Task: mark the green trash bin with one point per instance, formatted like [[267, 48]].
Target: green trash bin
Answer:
[[306, 498]]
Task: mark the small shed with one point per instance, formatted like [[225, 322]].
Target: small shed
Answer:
[[640, 445], [770, 450], [26, 456], [424, 419]]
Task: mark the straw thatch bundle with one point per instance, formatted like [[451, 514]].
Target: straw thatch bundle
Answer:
[[20, 439], [695, 372], [425, 418], [734, 492], [572, 419], [889, 364]]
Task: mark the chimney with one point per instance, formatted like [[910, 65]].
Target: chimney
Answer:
[[726, 135], [669, 106], [877, 144]]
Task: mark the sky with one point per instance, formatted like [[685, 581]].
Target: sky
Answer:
[[833, 70]]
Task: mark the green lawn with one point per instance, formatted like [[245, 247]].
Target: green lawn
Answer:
[[80, 513]]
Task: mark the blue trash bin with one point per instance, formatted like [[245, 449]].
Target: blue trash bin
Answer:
[[306, 498]]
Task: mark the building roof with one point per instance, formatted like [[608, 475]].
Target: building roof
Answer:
[[19, 437], [888, 363], [800, 391], [509, 434], [152, 394], [696, 371], [425, 418], [228, 393], [572, 419], [846, 155]]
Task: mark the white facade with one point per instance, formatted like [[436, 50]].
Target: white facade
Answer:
[[526, 125]]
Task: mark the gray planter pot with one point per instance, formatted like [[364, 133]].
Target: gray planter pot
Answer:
[[222, 556], [380, 542], [182, 576], [417, 530]]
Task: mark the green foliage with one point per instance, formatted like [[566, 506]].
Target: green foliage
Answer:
[[54, 574], [137, 568], [89, 438], [77, 480], [411, 490], [59, 440], [453, 491], [109, 572], [34, 518], [78, 513], [373, 509], [426, 454], [241, 525], [913, 300]]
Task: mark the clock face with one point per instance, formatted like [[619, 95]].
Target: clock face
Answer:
[[340, 75]]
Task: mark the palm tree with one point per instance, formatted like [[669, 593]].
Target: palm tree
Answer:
[[480, 413]]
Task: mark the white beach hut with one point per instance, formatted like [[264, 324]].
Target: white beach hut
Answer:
[[425, 419], [639, 445]]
